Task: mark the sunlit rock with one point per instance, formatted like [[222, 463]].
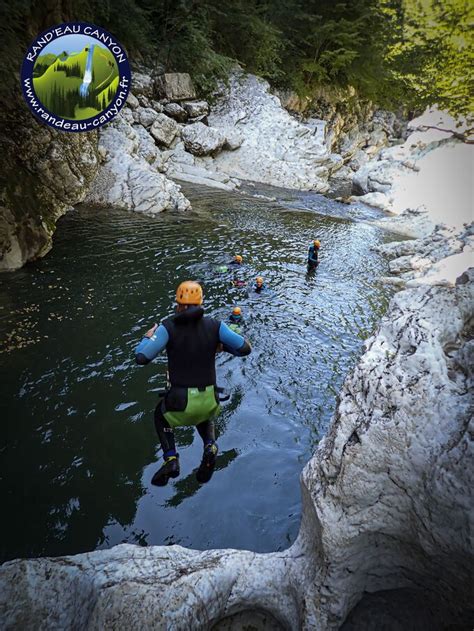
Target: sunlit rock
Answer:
[[196, 108], [201, 140], [129, 177], [174, 110], [276, 148], [164, 129]]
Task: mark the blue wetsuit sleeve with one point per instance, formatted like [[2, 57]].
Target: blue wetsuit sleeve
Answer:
[[311, 257], [150, 347], [232, 341]]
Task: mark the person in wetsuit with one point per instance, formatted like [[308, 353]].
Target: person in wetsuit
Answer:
[[259, 285], [236, 319], [313, 251], [237, 260], [191, 340]]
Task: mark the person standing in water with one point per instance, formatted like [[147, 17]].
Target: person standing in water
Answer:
[[313, 260], [191, 340]]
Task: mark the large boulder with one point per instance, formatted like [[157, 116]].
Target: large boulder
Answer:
[[201, 140], [196, 108], [143, 84], [176, 86], [147, 116], [164, 129], [174, 110]]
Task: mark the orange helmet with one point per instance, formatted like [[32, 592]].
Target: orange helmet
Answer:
[[236, 311], [317, 244], [238, 258], [259, 280], [189, 293]]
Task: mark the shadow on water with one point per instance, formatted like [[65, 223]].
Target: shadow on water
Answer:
[[79, 446]]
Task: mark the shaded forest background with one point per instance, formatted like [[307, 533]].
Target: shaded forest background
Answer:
[[409, 53]]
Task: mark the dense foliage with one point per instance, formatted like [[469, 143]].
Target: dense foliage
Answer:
[[410, 52]]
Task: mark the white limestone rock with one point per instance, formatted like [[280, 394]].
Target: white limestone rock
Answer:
[[164, 129], [129, 177], [196, 108], [176, 86], [174, 110], [423, 174], [132, 101], [201, 140], [392, 481], [143, 84], [147, 116], [276, 149]]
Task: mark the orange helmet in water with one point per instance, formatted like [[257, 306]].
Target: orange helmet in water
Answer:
[[189, 293], [317, 244], [236, 311], [238, 258]]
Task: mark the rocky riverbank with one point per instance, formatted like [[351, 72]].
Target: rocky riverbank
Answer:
[[245, 136], [165, 134]]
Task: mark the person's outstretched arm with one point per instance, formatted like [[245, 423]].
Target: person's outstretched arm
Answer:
[[232, 342], [152, 344]]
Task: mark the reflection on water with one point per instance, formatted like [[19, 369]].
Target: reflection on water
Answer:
[[80, 447]]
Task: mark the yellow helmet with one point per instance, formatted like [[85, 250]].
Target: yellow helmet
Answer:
[[238, 258], [317, 243], [189, 293], [236, 311], [259, 280]]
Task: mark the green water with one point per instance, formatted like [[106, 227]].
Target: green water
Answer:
[[79, 446]]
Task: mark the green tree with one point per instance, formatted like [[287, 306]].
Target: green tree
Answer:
[[433, 59]]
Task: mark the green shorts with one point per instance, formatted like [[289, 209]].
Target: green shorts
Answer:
[[190, 406]]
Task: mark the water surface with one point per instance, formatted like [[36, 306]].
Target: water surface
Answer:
[[79, 444]]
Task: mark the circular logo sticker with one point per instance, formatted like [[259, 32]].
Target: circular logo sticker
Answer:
[[75, 77]]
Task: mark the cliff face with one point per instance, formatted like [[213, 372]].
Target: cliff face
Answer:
[[43, 173], [391, 483]]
